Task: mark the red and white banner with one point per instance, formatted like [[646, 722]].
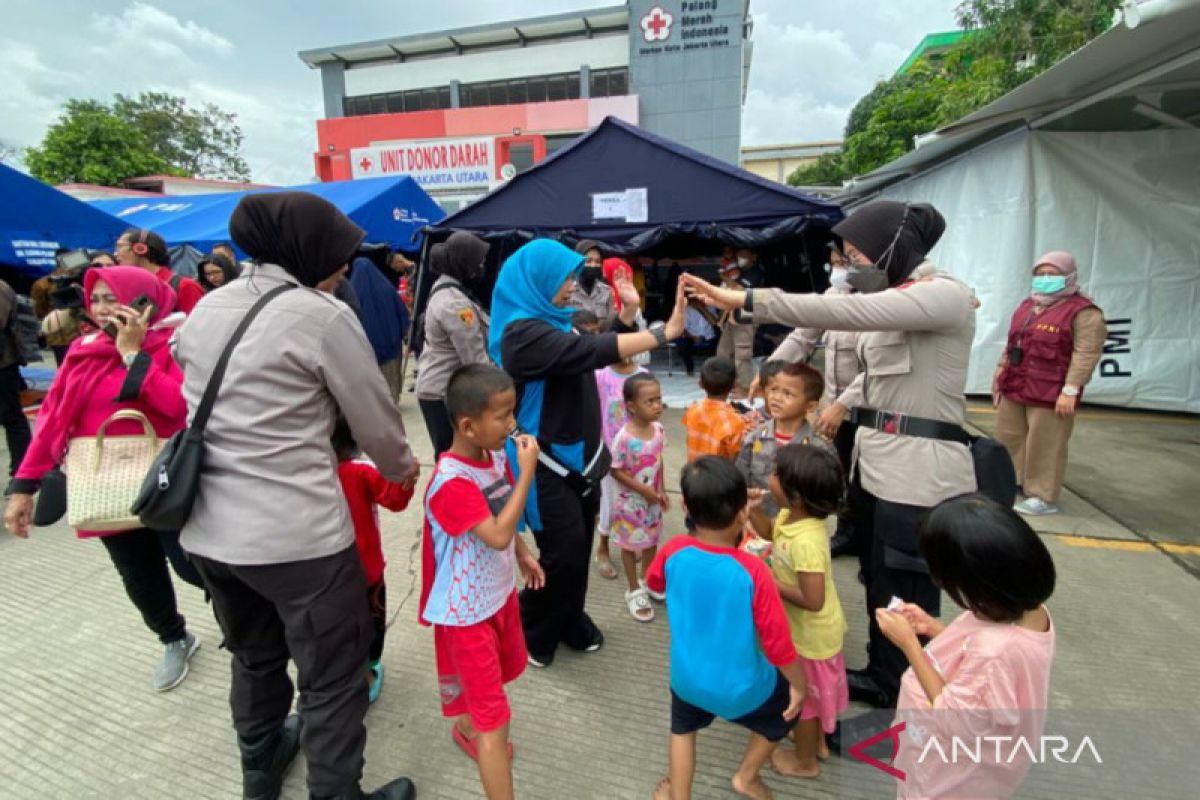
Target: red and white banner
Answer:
[[434, 163]]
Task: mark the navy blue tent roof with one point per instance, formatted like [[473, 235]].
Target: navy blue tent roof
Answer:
[[391, 210], [687, 192], [36, 219]]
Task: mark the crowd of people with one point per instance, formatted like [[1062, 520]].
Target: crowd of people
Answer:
[[544, 417]]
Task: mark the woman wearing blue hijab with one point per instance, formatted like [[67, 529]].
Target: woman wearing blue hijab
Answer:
[[553, 368]]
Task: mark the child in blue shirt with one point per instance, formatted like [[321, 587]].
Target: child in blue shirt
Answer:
[[740, 665]]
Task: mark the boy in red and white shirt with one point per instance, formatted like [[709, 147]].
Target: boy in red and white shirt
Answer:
[[470, 544], [365, 490]]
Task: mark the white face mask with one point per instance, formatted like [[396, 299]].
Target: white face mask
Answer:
[[838, 279], [743, 262]]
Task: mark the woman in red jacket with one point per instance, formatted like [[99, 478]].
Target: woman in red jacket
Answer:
[[1055, 340], [100, 376]]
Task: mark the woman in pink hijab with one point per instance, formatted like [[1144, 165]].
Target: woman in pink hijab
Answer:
[[103, 374], [1055, 340]]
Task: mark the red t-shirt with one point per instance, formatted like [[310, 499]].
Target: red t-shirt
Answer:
[[188, 293], [365, 489]]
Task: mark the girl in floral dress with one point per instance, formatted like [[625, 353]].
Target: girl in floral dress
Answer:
[[610, 382], [640, 497]]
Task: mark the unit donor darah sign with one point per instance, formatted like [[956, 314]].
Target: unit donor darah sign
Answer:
[[434, 164]]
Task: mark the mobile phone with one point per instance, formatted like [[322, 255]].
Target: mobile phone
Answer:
[[742, 406], [142, 302]]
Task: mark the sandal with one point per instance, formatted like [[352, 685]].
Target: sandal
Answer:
[[604, 566], [638, 603], [469, 746]]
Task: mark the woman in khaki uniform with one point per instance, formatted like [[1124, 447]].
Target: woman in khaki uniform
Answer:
[[916, 326], [1055, 340]]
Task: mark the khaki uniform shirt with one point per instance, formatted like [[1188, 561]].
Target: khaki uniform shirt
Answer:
[[841, 359], [269, 492], [456, 332], [600, 302], [915, 345], [756, 461]]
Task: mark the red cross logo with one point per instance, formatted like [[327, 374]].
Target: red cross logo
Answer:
[[656, 25], [365, 164]]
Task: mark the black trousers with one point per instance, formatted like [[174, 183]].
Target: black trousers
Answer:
[[688, 349], [843, 442], [437, 422], [141, 557], [890, 568], [377, 600], [16, 426], [314, 612], [555, 612]]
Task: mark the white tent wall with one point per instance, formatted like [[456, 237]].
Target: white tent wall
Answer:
[[1127, 205]]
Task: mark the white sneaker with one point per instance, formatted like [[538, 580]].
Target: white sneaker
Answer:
[[656, 596], [1035, 507]]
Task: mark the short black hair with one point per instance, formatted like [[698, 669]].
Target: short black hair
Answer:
[[633, 385], [811, 476], [812, 381], [156, 246], [583, 316], [714, 492], [718, 375], [986, 557], [768, 370], [344, 446], [471, 389]]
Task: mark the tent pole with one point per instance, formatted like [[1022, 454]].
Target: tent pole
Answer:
[[416, 301]]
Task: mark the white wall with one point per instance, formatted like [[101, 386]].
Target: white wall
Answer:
[[603, 52], [1127, 205]]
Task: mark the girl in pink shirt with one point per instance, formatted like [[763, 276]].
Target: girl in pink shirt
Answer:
[[973, 702]]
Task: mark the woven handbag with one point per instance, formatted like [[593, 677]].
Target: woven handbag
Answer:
[[104, 474]]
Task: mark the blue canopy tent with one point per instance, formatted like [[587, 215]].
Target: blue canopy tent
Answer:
[[36, 220], [391, 210]]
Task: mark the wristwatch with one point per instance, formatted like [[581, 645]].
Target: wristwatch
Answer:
[[659, 329], [748, 303], [1070, 391]]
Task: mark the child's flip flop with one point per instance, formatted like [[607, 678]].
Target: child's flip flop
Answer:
[[605, 567], [469, 746]]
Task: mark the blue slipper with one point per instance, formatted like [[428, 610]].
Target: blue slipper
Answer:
[[376, 687]]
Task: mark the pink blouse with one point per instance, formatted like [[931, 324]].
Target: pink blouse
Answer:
[[997, 685]]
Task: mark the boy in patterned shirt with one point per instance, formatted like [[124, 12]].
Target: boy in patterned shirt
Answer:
[[468, 593]]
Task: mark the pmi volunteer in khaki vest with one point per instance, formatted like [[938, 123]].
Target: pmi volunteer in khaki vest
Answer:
[[916, 326], [1055, 340]]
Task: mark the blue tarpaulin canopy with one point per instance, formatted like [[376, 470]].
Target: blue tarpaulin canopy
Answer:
[[391, 210], [36, 220], [633, 190]]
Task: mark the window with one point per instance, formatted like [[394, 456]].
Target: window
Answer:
[[521, 156], [618, 82], [598, 83], [443, 97], [537, 90], [574, 84], [395, 103], [556, 88], [518, 92], [498, 94], [378, 104]]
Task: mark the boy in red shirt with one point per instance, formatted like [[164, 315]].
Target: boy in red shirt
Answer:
[[469, 550], [365, 490]]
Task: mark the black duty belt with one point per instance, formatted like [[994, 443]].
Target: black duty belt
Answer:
[[906, 425]]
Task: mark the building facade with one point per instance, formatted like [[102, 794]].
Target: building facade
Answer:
[[463, 110], [776, 162]]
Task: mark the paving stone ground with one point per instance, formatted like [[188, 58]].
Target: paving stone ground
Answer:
[[78, 719]]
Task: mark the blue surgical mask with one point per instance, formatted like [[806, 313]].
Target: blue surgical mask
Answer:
[[1049, 284]]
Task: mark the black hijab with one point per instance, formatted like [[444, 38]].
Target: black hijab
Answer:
[[895, 236], [305, 234], [459, 257]]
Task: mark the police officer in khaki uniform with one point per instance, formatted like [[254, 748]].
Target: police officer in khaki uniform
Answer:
[[916, 327], [456, 330], [737, 337], [592, 293]]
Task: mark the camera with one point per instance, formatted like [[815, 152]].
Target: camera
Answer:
[[67, 279]]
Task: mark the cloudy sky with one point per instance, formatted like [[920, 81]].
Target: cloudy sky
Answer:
[[812, 59]]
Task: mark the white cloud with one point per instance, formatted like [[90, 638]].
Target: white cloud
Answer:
[[143, 27]]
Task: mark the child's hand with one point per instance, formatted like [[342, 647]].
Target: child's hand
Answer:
[[527, 452], [755, 498], [664, 501], [896, 627], [919, 619], [795, 703], [650, 496], [531, 571]]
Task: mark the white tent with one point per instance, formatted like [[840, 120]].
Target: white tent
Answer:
[[1099, 155]]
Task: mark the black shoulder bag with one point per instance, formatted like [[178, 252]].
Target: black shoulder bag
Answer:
[[169, 490]]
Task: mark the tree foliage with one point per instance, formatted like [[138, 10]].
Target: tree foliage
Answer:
[[153, 133], [1010, 42]]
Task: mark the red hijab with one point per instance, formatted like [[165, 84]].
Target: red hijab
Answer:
[[613, 266], [87, 363]]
